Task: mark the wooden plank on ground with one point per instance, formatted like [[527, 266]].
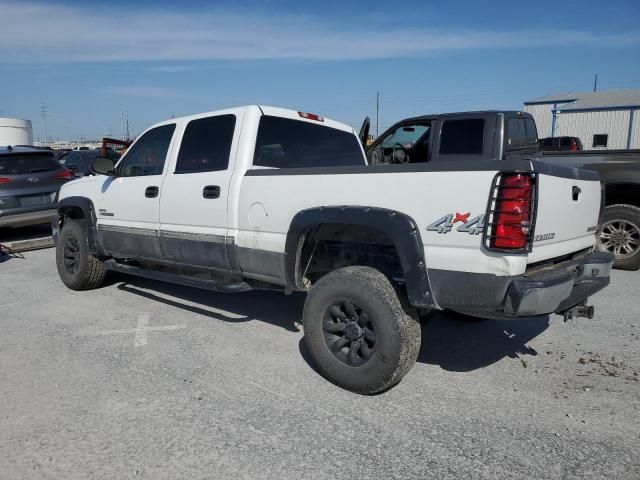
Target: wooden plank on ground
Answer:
[[29, 244]]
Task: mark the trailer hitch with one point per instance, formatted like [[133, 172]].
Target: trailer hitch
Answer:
[[580, 310]]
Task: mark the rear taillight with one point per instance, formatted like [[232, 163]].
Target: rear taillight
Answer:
[[511, 212], [4, 180], [66, 174]]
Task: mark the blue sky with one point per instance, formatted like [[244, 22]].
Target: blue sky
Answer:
[[88, 60]]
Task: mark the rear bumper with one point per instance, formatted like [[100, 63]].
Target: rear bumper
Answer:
[[28, 218], [555, 288], [559, 287]]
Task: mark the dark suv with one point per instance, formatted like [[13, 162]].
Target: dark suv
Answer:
[[30, 179], [560, 144]]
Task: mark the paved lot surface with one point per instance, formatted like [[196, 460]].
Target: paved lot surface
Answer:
[[141, 379]]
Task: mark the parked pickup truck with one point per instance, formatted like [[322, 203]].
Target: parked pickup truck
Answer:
[[253, 197], [504, 135], [620, 174]]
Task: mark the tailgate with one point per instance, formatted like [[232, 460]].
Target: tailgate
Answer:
[[567, 215]]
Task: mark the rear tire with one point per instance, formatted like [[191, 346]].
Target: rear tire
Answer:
[[78, 269], [620, 235], [361, 334]]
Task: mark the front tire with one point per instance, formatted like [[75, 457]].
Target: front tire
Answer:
[[77, 267], [620, 235], [360, 333]]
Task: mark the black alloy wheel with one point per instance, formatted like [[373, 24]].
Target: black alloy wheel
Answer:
[[349, 333]]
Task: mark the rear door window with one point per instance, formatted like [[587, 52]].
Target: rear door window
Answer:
[[24, 164], [287, 143], [462, 137], [206, 145]]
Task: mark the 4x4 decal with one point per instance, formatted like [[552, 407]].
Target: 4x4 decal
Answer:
[[472, 226]]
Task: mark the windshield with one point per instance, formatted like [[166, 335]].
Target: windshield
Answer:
[[22, 164], [72, 158], [406, 135]]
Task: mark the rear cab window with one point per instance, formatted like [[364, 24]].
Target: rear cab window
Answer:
[[287, 143], [532, 131], [516, 133]]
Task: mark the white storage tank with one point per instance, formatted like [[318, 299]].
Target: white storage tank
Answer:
[[15, 131]]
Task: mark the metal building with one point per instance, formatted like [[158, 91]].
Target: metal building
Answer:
[[601, 120]]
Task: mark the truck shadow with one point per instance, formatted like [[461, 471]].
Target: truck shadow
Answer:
[[454, 342], [458, 343], [271, 307]]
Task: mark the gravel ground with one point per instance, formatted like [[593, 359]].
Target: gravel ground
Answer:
[[141, 379]]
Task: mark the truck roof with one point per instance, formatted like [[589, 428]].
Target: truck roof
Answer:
[[265, 110], [463, 114]]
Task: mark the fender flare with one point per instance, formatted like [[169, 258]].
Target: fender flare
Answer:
[[89, 213], [400, 228]]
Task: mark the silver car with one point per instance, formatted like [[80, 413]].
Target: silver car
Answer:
[[30, 180]]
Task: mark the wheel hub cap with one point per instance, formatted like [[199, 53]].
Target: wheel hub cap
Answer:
[[352, 331], [620, 237], [349, 333]]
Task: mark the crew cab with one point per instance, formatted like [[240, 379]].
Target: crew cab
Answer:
[[478, 136], [262, 197]]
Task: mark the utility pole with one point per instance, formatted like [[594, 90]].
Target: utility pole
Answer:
[[43, 109], [124, 123], [126, 118], [377, 111], [595, 84]]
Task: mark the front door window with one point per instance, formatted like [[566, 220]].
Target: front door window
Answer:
[[147, 156]]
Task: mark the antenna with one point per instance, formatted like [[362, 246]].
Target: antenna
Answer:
[[43, 109], [595, 83], [377, 111]]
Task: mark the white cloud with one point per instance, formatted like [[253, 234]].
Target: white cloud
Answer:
[[38, 32]]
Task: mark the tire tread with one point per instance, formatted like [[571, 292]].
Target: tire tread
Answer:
[[403, 315], [95, 272]]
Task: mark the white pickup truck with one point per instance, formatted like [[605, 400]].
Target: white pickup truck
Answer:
[[255, 196]]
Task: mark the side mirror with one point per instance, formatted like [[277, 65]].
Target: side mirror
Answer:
[[103, 166]]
